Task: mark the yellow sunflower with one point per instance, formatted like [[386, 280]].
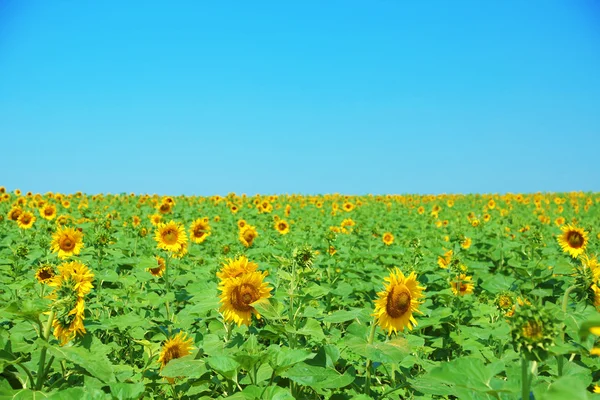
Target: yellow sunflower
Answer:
[[247, 235], [48, 211], [14, 213], [241, 223], [135, 221], [466, 243], [164, 208], [155, 219], [444, 261], [462, 285], [170, 237], [45, 273], [282, 227], [237, 267], [238, 295], [67, 242], [176, 347], [199, 230], [396, 304], [26, 220], [348, 206], [161, 265], [388, 238], [573, 240]]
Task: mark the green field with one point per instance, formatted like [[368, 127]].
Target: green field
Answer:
[[281, 297]]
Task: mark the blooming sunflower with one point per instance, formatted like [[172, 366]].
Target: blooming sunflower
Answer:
[[444, 261], [45, 273], [199, 230], [14, 213], [348, 206], [247, 235], [388, 238], [237, 267], [135, 221], [462, 285], [466, 243], [155, 219], [573, 240], [164, 208], [238, 294], [170, 236], [396, 304], [176, 347], [48, 211], [26, 220], [282, 227], [241, 223], [67, 242], [161, 265]]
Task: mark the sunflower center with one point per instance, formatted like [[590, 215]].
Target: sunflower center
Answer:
[[244, 295], [575, 239], [282, 226], [45, 274], [48, 212], [398, 302], [198, 232], [170, 236], [532, 330], [66, 244], [26, 219]]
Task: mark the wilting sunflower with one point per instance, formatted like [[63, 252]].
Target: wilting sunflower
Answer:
[[237, 267], [159, 270], [14, 213], [45, 273], [176, 347], [199, 230], [282, 227], [238, 295], [48, 211], [396, 304], [67, 242], [388, 238], [573, 240], [170, 237], [247, 235], [462, 285], [444, 261], [26, 220]]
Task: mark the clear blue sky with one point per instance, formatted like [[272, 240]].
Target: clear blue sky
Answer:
[[208, 97]]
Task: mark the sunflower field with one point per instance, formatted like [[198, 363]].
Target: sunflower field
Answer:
[[130, 296]]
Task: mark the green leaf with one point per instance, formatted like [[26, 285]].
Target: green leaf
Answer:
[[185, 367], [287, 357], [95, 364], [270, 309], [566, 387], [313, 329], [126, 391], [344, 315], [318, 377]]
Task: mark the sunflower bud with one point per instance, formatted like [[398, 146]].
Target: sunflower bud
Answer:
[[304, 256], [533, 331]]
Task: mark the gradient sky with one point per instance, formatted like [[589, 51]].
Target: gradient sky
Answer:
[[211, 97]]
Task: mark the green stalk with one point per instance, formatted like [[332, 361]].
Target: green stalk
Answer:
[[369, 342], [565, 302], [524, 379], [41, 368]]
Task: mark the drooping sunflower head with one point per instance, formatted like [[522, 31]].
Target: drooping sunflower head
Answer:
[[69, 316], [573, 240], [388, 238], [239, 294], [247, 235], [45, 273], [170, 236], [237, 267], [77, 276], [533, 331], [396, 304], [66, 242], [176, 347], [282, 227], [199, 230], [159, 270], [462, 285], [445, 260], [26, 220]]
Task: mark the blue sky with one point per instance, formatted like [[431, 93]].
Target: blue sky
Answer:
[[199, 97]]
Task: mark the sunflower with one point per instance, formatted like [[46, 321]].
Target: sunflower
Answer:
[[155, 219], [238, 295], [241, 223], [14, 213], [247, 235], [26, 220], [396, 304], [288, 209], [348, 206], [462, 285], [573, 240], [159, 270], [388, 238], [45, 273], [199, 230], [176, 347], [135, 221], [444, 261], [170, 237], [164, 208], [67, 242], [475, 223], [282, 227], [48, 211], [237, 267], [421, 210], [466, 243]]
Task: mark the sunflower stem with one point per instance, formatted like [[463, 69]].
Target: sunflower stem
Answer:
[[524, 379], [368, 368], [42, 365], [565, 303]]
